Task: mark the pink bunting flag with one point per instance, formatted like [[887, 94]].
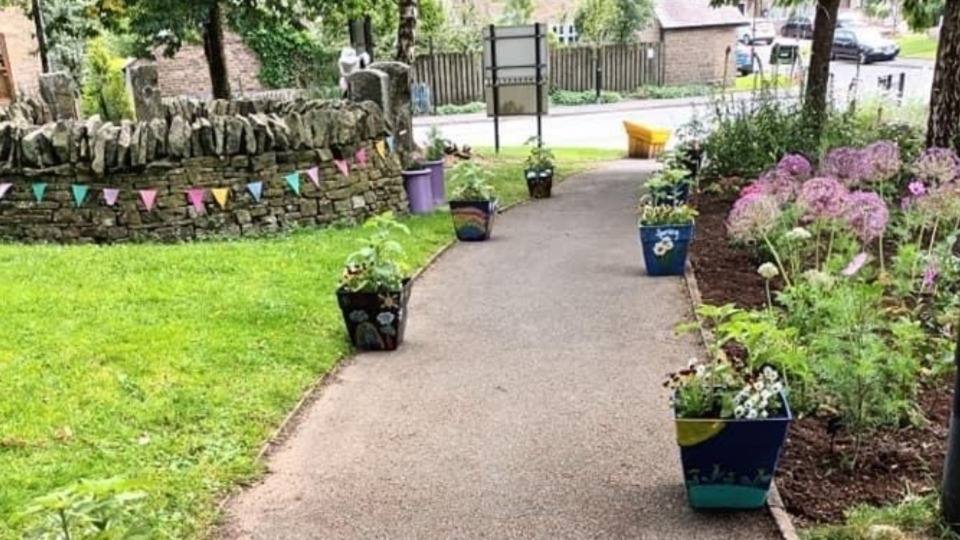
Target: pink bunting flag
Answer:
[[111, 195], [362, 157], [4, 188], [149, 198], [196, 198], [343, 166], [314, 174]]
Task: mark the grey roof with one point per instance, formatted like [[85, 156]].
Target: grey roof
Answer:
[[695, 13]]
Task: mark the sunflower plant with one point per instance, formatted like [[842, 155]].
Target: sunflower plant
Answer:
[[379, 265]]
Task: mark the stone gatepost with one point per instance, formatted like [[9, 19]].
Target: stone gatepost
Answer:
[[57, 91], [401, 112], [144, 84], [371, 85]]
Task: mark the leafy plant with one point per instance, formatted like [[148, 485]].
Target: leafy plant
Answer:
[[104, 86], [673, 92], [656, 215], [586, 97], [668, 180], [436, 147], [725, 388], [467, 108], [471, 183], [91, 510], [540, 158], [414, 163], [379, 265]]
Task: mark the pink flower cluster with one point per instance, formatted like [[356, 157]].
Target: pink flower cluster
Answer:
[[822, 198], [753, 216], [938, 166], [849, 165], [797, 166], [884, 161], [866, 214]]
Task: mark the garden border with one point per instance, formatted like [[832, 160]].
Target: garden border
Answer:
[[774, 503]]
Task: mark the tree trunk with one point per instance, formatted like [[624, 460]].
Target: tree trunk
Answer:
[[944, 123], [216, 56], [36, 11], [818, 79], [406, 33]]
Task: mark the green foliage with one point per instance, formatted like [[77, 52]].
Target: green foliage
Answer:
[[915, 517], [540, 158], [379, 265], [436, 147], [290, 56], [87, 510], [587, 97], [632, 17], [431, 21], [725, 388], [471, 182], [104, 85], [516, 12], [468, 108], [673, 92], [652, 215], [605, 21]]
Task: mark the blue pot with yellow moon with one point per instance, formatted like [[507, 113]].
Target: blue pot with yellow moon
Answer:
[[375, 321], [729, 464], [473, 220]]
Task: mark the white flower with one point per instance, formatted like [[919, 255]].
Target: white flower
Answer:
[[799, 233], [663, 247], [818, 278], [701, 370], [777, 387], [768, 271], [770, 374], [764, 414], [739, 411], [752, 414], [766, 394], [691, 363]]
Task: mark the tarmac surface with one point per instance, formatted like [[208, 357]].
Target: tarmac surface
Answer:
[[526, 401]]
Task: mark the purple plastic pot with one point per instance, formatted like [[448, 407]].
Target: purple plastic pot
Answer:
[[419, 192], [437, 182]]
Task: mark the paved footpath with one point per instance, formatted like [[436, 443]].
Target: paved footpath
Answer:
[[526, 401]]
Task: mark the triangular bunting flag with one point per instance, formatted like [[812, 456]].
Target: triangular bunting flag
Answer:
[[362, 157], [195, 196], [314, 174], [39, 188], [343, 166], [390, 143], [148, 197], [220, 195], [79, 193], [110, 196], [293, 180], [382, 149], [4, 188], [255, 189]]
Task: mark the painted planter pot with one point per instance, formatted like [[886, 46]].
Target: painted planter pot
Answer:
[[419, 191], [730, 463], [539, 183], [438, 186], [375, 321], [665, 248], [473, 220], [671, 195]]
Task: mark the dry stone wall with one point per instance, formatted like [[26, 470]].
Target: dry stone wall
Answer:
[[203, 169]]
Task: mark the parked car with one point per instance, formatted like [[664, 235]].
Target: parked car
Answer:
[[850, 21], [798, 27], [864, 45], [759, 31], [744, 60]]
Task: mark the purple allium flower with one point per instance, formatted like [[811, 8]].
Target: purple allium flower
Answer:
[[917, 188], [779, 184], [883, 161], [753, 216], [930, 274], [821, 198], [847, 164], [938, 165], [796, 166], [905, 203], [867, 215], [855, 265], [753, 188]]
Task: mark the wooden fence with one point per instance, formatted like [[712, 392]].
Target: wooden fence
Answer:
[[458, 78]]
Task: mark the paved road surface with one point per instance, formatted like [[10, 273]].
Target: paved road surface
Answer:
[[526, 402]]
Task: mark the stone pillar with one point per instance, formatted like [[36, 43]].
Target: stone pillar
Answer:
[[401, 112], [371, 85], [56, 89], [144, 84]]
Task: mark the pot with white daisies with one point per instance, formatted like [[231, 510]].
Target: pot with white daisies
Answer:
[[665, 234], [538, 170], [731, 424]]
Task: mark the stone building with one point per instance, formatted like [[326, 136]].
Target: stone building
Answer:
[[19, 63]]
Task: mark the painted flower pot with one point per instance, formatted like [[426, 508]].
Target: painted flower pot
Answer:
[[665, 248], [671, 195], [539, 183], [473, 220], [437, 182], [730, 463], [419, 191], [375, 321]]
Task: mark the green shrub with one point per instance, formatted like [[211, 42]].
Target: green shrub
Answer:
[[104, 85], [290, 57], [673, 92], [467, 108], [587, 97]]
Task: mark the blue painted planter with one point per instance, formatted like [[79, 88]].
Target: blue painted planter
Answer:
[[375, 321], [671, 196], [729, 464], [665, 248], [473, 220]]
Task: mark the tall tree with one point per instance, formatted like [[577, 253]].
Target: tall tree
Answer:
[[517, 12], [943, 124], [407, 31], [632, 17]]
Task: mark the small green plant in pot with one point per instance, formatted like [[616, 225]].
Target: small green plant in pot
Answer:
[[375, 288], [473, 202], [670, 185], [538, 170], [665, 234], [436, 150], [731, 423]]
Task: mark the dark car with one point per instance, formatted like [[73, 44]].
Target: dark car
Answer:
[[864, 45], [798, 27]]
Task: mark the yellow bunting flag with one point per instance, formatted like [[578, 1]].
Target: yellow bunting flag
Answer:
[[382, 149], [220, 195]]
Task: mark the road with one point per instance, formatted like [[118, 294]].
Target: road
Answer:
[[602, 127]]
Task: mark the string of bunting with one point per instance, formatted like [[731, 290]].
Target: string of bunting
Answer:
[[197, 196]]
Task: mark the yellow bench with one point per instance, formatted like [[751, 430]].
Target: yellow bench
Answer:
[[645, 141]]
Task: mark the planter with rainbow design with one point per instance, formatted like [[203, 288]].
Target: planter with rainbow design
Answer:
[[473, 220], [730, 463]]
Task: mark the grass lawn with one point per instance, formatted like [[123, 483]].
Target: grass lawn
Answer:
[[916, 518], [917, 46], [172, 364]]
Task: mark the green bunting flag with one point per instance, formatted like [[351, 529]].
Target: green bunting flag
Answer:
[[79, 193], [39, 188], [293, 180]]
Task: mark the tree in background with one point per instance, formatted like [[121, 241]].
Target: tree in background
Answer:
[[104, 84], [517, 12], [407, 31], [943, 124], [632, 17], [596, 21]]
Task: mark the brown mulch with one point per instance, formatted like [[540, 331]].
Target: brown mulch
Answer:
[[814, 475]]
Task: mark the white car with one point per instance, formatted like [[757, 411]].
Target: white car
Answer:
[[758, 31]]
